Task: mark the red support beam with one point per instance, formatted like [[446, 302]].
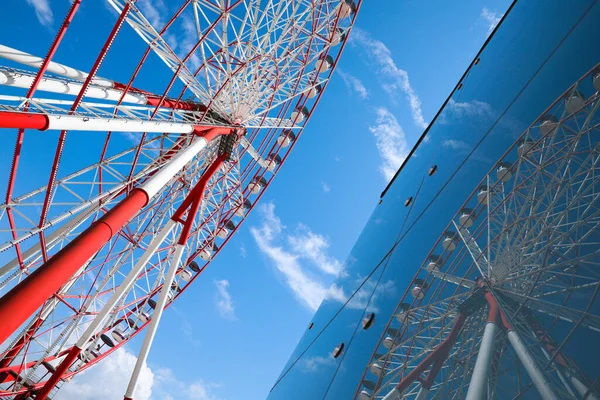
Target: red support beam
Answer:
[[437, 356]]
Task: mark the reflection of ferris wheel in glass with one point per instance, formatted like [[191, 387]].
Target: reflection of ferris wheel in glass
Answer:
[[111, 233], [506, 304]]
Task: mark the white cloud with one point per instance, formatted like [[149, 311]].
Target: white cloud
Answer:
[[108, 380], [187, 41], [308, 287], [454, 144], [353, 84], [313, 246], [243, 250], [491, 19], [168, 387], [42, 11], [187, 328], [224, 301], [395, 79], [154, 10], [391, 142], [325, 186]]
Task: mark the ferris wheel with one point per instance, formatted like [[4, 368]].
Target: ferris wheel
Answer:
[[505, 306], [118, 230]]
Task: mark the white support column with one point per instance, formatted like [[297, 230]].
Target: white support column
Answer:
[[153, 326], [53, 67], [537, 376], [394, 394], [481, 371], [76, 123], [581, 387], [125, 285], [22, 80]]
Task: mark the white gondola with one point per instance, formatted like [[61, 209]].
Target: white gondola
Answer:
[[324, 64], [575, 101], [364, 395], [524, 146], [404, 314], [273, 161], [466, 218], [299, 114], [376, 369], [449, 242], [313, 91], [185, 275], [205, 253], [548, 124], [243, 209], [347, 8], [224, 230], [596, 79], [482, 195], [434, 264], [256, 185], [338, 36], [388, 342], [118, 335], [286, 138], [418, 290], [504, 172], [144, 317]]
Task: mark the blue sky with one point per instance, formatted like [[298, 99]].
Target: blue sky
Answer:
[[229, 336]]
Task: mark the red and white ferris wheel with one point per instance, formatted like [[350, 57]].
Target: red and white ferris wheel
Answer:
[[116, 232]]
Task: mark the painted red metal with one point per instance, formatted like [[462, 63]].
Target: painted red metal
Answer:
[[194, 199], [20, 120], [437, 356], [494, 308], [22, 301], [60, 370]]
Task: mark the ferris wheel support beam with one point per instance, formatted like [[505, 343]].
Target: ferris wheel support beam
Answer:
[[43, 122], [537, 377], [26, 297], [24, 58], [479, 378], [192, 202], [435, 359]]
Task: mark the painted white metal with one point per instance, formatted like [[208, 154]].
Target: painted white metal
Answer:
[[77, 123], [422, 395], [153, 326], [253, 153], [25, 80], [479, 379], [53, 67], [157, 181], [125, 285], [581, 387], [394, 394], [537, 377]]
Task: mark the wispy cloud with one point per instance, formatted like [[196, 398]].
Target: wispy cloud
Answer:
[[454, 144], [188, 40], [391, 142], [287, 252], [325, 186], [243, 250], [491, 18], [108, 380], [168, 387], [224, 301], [353, 84], [187, 328], [43, 12], [394, 79], [153, 10]]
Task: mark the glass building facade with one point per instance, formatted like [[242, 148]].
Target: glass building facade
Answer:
[[539, 50]]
